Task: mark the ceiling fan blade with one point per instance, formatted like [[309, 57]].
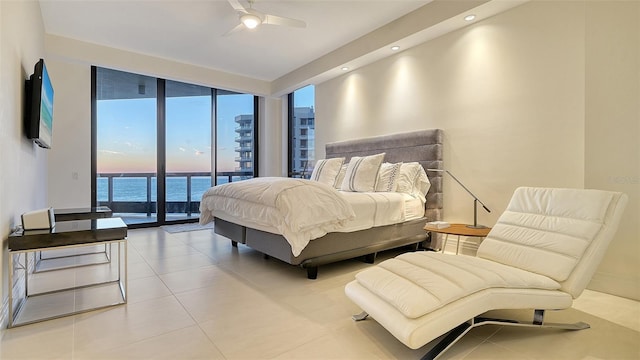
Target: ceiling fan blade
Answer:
[[237, 6], [239, 27], [279, 20]]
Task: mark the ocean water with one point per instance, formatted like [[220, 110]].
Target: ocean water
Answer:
[[135, 188]]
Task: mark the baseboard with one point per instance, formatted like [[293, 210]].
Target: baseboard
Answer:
[[615, 285]]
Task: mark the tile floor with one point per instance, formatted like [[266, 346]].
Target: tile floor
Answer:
[[192, 295]]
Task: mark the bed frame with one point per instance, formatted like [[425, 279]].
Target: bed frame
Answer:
[[424, 146]]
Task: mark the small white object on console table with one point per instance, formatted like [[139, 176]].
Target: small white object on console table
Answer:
[[438, 224]]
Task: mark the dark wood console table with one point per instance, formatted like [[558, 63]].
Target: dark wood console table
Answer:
[[82, 213], [65, 236]]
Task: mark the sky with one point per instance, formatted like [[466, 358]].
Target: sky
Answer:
[[127, 132], [304, 96]]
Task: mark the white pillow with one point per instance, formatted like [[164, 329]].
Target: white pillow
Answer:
[[326, 171], [340, 177], [388, 177], [413, 180], [422, 185], [362, 173]]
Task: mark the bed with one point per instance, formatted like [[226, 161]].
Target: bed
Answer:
[[423, 147]]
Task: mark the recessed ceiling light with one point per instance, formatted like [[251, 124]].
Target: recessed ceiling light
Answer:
[[395, 48], [344, 68], [470, 17]]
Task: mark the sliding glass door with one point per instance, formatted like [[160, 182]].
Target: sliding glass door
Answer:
[[188, 113], [125, 147]]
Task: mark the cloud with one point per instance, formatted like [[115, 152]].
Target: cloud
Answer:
[[111, 152], [182, 149]]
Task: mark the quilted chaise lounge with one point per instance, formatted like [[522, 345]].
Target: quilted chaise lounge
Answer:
[[540, 255]]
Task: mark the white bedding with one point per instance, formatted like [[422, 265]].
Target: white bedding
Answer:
[[302, 210], [380, 208]]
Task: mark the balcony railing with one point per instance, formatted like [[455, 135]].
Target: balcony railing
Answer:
[[136, 193]]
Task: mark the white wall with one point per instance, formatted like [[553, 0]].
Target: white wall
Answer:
[[271, 137], [510, 93], [23, 166], [510, 110], [70, 155], [92, 54], [612, 153]]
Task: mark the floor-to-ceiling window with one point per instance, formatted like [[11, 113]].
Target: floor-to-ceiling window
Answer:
[[152, 145], [302, 131]]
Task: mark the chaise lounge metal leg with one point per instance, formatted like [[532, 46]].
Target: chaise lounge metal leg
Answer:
[[451, 338], [456, 334], [363, 315]]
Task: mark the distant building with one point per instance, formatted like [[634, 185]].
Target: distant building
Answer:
[[244, 139], [303, 141]]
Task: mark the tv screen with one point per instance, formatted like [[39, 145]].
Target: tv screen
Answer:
[[39, 106]]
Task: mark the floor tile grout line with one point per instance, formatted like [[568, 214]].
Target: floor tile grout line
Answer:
[[197, 323]]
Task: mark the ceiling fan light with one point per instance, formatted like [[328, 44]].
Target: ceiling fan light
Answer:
[[250, 21]]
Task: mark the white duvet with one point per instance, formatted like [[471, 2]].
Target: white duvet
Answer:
[[299, 209], [303, 210]]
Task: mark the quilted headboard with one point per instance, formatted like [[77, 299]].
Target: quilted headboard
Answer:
[[423, 146]]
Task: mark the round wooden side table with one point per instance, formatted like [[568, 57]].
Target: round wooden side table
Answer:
[[458, 230]]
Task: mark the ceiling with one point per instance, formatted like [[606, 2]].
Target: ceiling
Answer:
[[192, 31], [338, 33]]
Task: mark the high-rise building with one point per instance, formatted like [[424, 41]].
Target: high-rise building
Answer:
[[244, 129], [303, 152]]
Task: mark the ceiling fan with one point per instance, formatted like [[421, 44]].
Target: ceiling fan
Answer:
[[251, 18]]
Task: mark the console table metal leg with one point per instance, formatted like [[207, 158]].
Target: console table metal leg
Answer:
[[11, 270], [122, 284], [26, 274], [126, 278]]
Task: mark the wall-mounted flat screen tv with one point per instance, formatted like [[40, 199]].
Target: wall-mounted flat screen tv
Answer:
[[38, 119]]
